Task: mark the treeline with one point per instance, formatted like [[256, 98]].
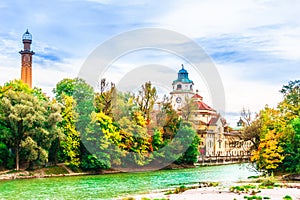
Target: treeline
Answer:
[[275, 133], [91, 130]]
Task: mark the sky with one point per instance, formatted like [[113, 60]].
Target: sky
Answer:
[[254, 44]]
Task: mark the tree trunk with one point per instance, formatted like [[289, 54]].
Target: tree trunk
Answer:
[[17, 158]]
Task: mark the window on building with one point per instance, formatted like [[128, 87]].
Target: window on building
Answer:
[[220, 144], [179, 87]]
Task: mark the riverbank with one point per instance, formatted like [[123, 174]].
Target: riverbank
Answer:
[[221, 193], [61, 170], [247, 190]]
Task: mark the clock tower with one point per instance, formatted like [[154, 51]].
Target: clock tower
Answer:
[[182, 89], [26, 59]]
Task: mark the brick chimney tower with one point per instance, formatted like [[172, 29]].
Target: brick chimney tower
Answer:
[[26, 56]]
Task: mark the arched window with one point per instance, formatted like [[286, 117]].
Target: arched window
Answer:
[[179, 87]]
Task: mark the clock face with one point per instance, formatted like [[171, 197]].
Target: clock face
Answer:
[[178, 100]]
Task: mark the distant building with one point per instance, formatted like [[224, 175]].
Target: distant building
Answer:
[[212, 128], [26, 59]]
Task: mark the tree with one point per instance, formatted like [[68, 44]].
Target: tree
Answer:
[[290, 106], [101, 140], [135, 141], [188, 109], [104, 100], [190, 140], [70, 145], [82, 93], [252, 132], [168, 119], [290, 143], [268, 156], [28, 123], [146, 99], [246, 115]]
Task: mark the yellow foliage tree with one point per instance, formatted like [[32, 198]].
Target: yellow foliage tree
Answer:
[[268, 156]]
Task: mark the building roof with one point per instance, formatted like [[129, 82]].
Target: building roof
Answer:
[[203, 106], [197, 96], [213, 120]]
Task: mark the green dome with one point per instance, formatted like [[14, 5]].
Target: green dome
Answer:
[[183, 76]]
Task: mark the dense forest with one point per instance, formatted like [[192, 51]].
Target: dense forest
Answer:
[[90, 130]]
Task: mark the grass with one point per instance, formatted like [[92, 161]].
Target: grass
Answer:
[[55, 170], [242, 188]]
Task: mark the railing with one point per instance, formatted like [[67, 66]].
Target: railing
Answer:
[[219, 160]]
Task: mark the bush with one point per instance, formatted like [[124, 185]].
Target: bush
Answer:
[[181, 189], [287, 197]]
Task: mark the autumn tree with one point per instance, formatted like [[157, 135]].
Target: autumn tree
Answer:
[[278, 146], [105, 99], [146, 98], [134, 140], [269, 155], [168, 119]]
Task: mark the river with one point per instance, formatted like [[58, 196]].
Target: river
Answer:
[[110, 186]]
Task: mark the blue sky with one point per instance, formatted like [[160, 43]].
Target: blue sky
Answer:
[[255, 44]]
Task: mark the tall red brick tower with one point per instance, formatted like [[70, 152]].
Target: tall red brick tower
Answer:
[[26, 56]]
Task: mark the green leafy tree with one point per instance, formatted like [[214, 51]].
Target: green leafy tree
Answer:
[[28, 123], [101, 140], [70, 145], [82, 93], [290, 106], [188, 138], [291, 146]]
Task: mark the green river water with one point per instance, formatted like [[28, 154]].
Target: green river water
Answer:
[[111, 186]]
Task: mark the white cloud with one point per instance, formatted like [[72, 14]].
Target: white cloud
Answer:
[[253, 95], [254, 40], [275, 21]]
